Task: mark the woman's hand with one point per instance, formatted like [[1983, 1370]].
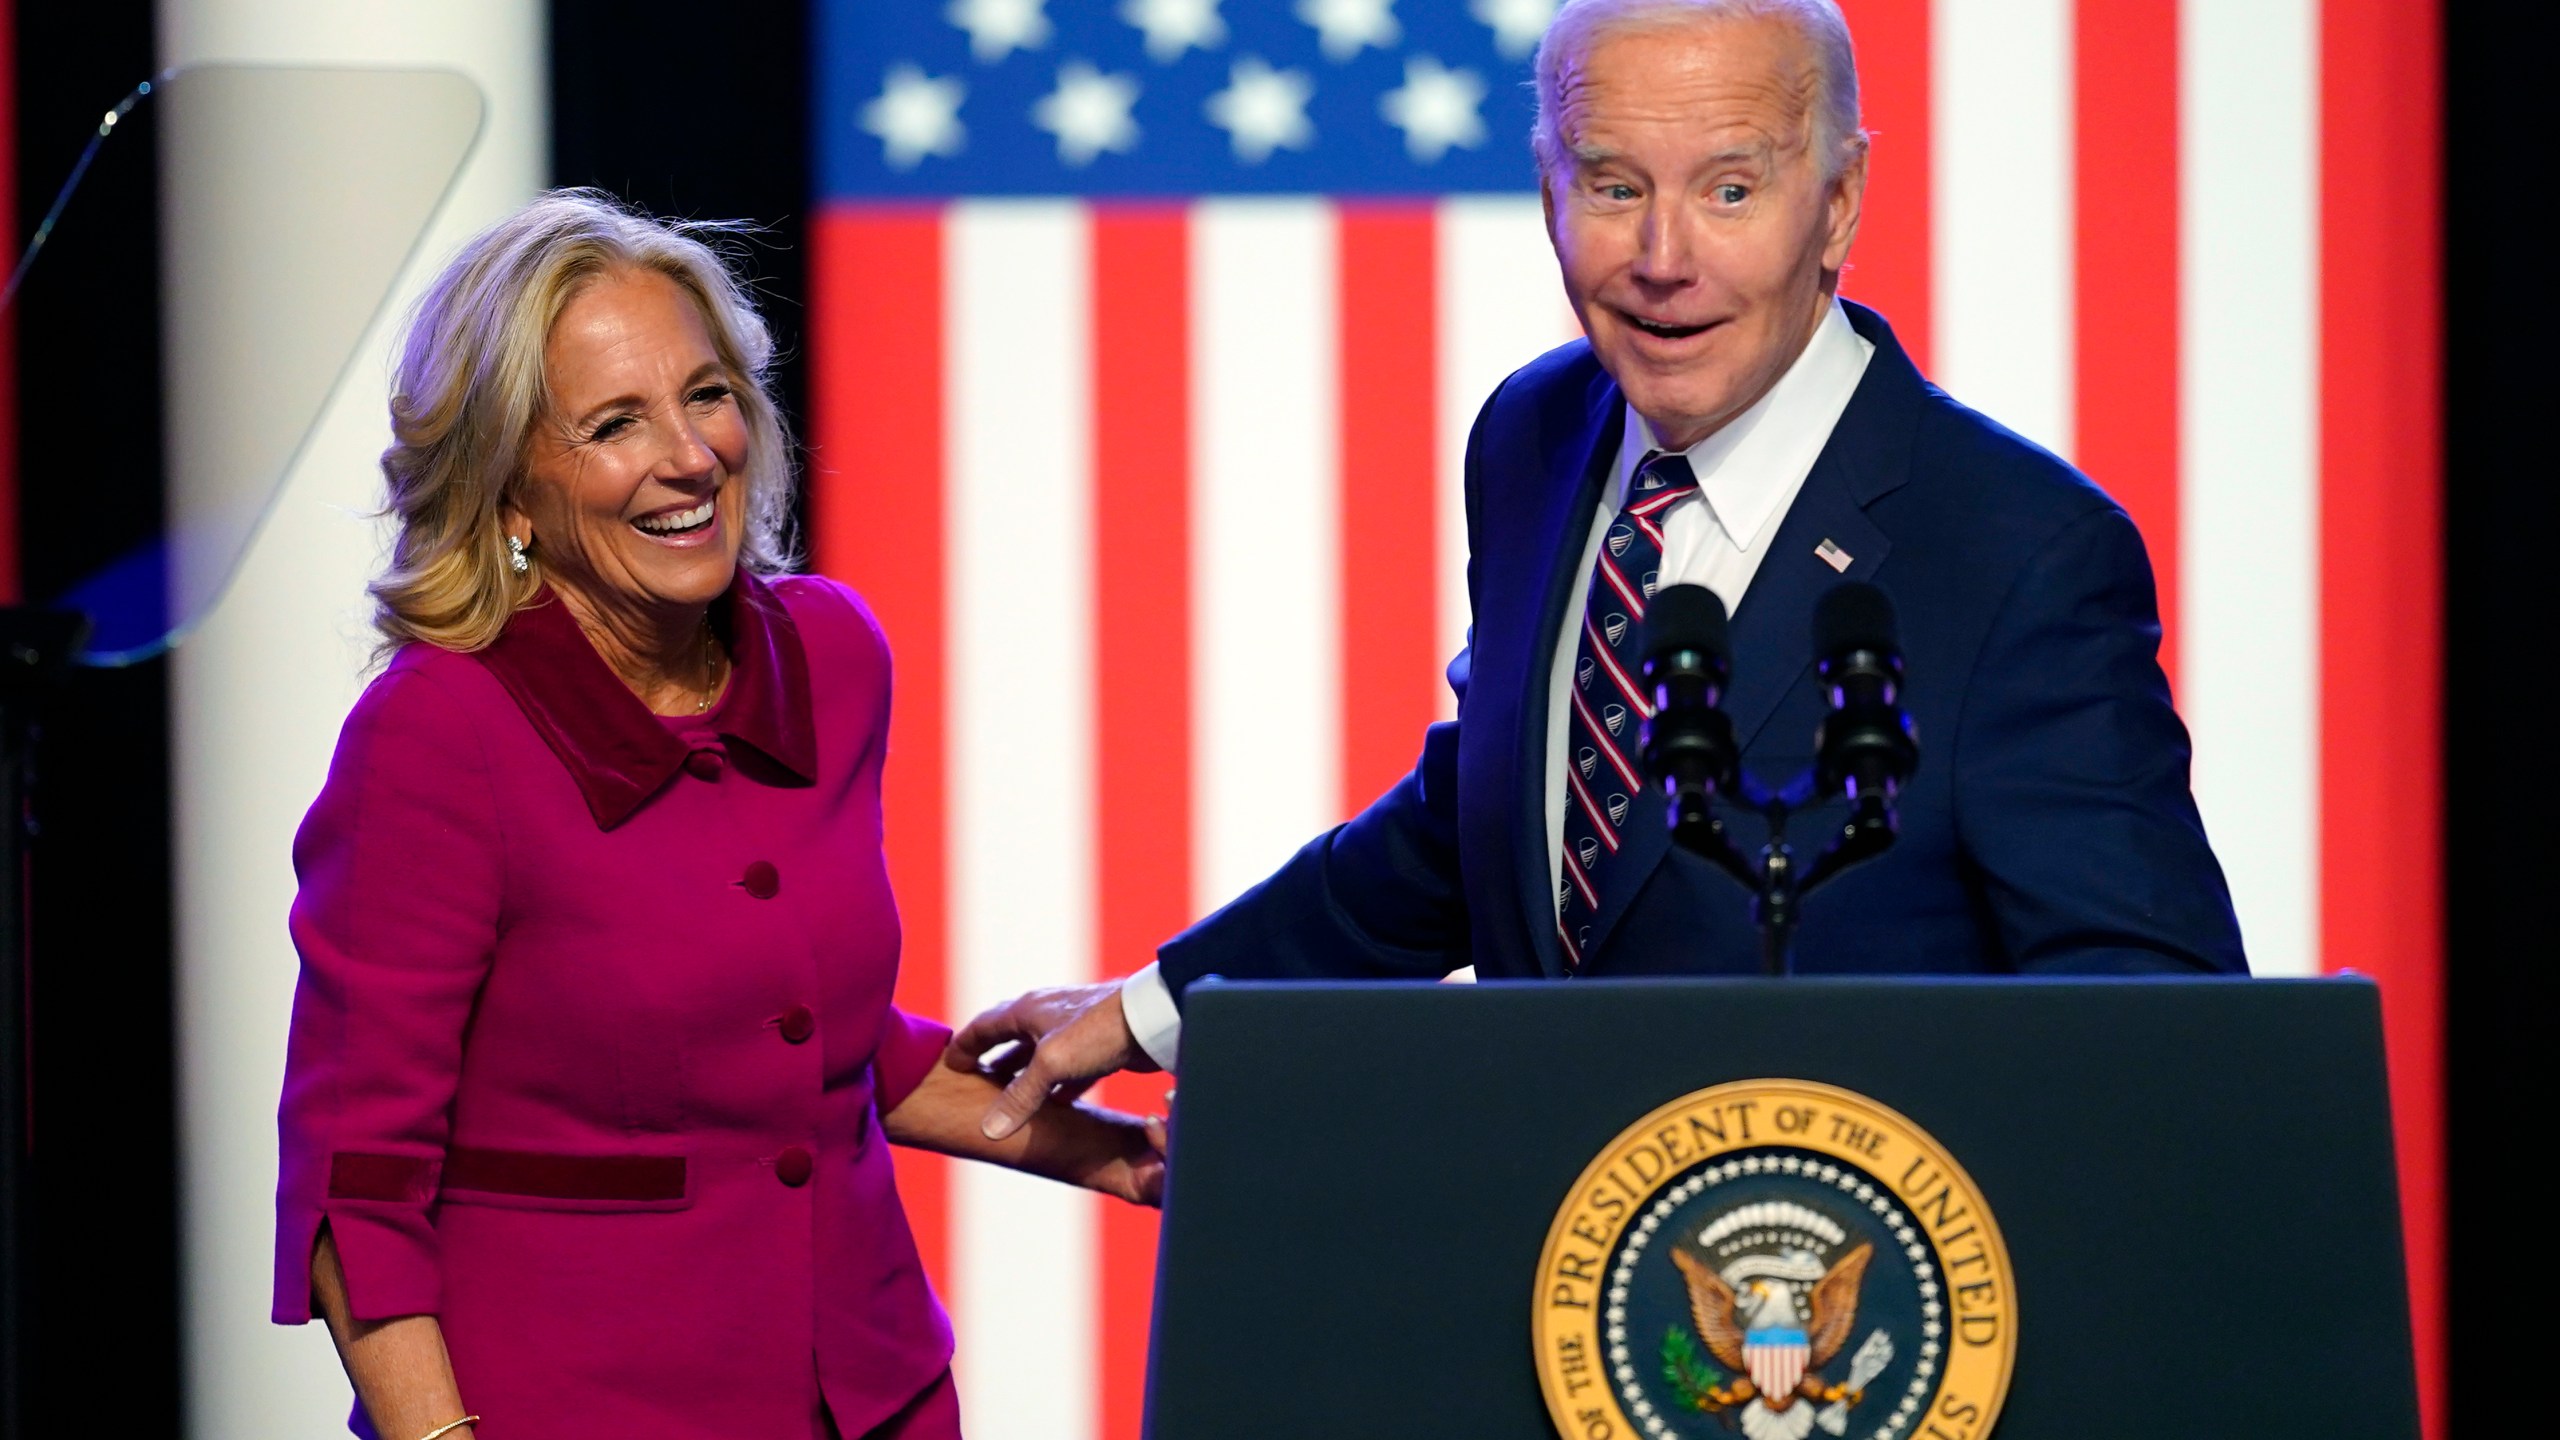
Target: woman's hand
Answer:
[[1079, 1144]]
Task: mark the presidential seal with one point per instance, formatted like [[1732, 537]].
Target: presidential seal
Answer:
[[1772, 1258]]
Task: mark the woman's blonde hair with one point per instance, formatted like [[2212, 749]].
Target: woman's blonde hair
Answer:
[[470, 387]]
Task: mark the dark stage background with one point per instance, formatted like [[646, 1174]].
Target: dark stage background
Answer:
[[102, 1225], [103, 1218], [2498, 611], [103, 1215]]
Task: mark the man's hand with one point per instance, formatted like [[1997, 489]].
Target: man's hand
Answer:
[[1064, 1039]]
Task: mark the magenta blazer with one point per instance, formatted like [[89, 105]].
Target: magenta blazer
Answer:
[[593, 1033]]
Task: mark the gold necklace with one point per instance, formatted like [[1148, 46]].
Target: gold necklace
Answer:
[[710, 666]]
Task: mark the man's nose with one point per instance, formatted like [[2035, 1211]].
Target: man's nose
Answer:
[[1665, 252]]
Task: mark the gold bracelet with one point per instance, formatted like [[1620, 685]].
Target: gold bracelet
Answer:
[[450, 1426]]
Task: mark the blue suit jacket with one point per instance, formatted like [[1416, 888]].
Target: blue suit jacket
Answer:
[[2049, 827]]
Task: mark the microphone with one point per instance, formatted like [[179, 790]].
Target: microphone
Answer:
[[1688, 742], [1866, 748]]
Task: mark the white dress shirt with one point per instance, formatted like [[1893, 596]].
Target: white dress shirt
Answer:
[[1748, 474]]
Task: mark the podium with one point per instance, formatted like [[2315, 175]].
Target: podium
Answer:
[[1426, 1210]]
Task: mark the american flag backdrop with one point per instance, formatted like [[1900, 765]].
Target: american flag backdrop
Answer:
[[1145, 337]]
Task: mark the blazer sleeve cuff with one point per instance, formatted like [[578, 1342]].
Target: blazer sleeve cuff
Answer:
[[387, 1250], [910, 1046]]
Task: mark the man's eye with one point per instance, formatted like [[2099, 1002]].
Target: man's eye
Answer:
[[1731, 194], [1617, 192]]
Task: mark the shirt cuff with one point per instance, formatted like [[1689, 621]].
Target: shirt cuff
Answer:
[[1146, 1003]]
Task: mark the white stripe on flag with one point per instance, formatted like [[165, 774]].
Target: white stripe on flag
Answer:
[[2249, 498], [1266, 562], [1501, 305], [2001, 212], [1017, 506]]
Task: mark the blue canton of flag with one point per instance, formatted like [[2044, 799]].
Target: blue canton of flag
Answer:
[[1169, 98]]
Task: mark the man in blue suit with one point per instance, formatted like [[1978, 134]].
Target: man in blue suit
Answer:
[[1730, 422]]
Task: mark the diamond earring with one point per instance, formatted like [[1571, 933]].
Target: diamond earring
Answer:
[[516, 560]]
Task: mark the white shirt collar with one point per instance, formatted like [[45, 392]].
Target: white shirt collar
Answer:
[[1756, 460]]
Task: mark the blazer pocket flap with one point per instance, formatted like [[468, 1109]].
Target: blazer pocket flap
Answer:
[[541, 1180]]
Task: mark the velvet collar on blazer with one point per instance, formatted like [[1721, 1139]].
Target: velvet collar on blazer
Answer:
[[619, 753]]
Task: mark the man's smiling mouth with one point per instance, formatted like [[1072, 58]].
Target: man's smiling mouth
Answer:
[[1662, 330]]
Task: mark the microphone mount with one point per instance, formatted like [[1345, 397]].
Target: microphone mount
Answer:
[[1864, 750]]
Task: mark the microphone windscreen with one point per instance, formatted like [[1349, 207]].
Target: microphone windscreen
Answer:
[[1685, 617], [1855, 616]]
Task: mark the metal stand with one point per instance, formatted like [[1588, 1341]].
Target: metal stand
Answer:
[[35, 647], [1864, 748], [1777, 890]]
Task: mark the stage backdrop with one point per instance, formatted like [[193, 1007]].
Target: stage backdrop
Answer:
[[1146, 335], [258, 691]]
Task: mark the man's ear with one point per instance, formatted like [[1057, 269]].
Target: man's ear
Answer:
[[1842, 212], [1547, 205]]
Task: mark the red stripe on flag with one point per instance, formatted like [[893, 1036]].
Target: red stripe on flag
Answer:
[[1390, 576], [1890, 267], [875, 512], [2381, 588], [2127, 268], [1142, 694]]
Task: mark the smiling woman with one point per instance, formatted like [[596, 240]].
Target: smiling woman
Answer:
[[593, 1055], [635, 489], [526, 372]]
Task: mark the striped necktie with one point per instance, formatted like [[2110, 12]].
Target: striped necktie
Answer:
[[1609, 705]]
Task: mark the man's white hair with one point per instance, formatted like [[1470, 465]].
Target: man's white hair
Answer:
[[1581, 25]]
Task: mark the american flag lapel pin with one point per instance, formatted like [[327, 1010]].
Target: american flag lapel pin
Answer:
[[1833, 556]]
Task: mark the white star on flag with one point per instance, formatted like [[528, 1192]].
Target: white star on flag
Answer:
[[1263, 110], [1516, 24], [997, 28], [1088, 112], [915, 116], [1435, 108], [1343, 27], [1174, 26]]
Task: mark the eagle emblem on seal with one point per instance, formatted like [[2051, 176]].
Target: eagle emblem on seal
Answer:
[[1773, 1259], [1773, 1319]]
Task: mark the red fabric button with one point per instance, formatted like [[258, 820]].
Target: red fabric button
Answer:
[[762, 880], [706, 764], [799, 1023], [794, 1166]]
